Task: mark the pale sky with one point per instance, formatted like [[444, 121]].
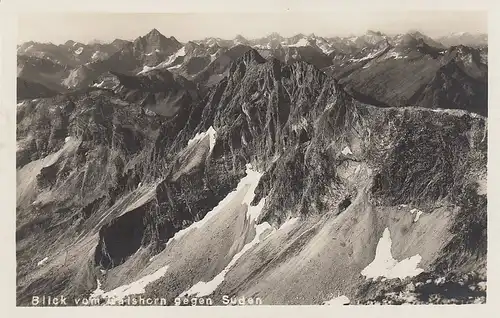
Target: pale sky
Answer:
[[84, 27]]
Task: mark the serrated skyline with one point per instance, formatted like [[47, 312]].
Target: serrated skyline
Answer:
[[86, 27]]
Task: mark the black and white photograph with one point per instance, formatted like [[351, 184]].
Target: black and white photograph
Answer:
[[247, 159]]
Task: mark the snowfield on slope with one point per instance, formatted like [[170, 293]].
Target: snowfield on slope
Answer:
[[288, 224], [300, 43], [384, 265], [211, 133], [202, 289], [42, 261], [417, 213], [181, 52], [346, 151], [250, 181], [341, 300], [135, 288]]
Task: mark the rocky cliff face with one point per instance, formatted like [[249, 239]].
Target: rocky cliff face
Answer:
[[274, 183]]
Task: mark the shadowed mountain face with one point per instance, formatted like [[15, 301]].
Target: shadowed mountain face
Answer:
[[457, 75], [31, 90], [159, 91], [257, 177], [451, 87]]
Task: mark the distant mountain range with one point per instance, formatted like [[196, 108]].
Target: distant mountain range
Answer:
[[370, 64]]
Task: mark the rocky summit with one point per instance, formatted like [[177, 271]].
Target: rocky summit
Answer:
[[276, 171]]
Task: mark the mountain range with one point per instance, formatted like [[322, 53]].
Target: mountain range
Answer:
[[292, 171]]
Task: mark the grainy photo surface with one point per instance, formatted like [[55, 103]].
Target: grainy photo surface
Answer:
[[203, 160]]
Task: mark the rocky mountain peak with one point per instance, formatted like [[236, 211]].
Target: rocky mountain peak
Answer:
[[374, 33], [70, 43], [274, 35], [251, 56], [240, 39], [119, 42], [154, 41], [154, 33], [191, 47], [245, 61]]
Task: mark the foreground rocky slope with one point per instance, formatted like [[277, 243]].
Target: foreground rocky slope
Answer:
[[274, 184]]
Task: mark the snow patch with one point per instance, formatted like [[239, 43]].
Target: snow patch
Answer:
[[341, 300], [202, 289], [482, 286], [146, 69], [369, 56], [181, 52], [167, 63], [346, 151], [325, 48], [302, 124], [210, 132], [98, 291], [418, 214], [213, 57], [174, 67], [253, 212], [440, 281], [96, 54], [288, 223], [329, 106], [301, 42], [135, 288], [384, 265], [79, 50], [438, 110], [67, 139], [72, 79], [394, 55], [42, 261], [98, 85], [173, 57]]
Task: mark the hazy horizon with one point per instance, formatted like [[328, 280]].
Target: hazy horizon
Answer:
[[87, 27]]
